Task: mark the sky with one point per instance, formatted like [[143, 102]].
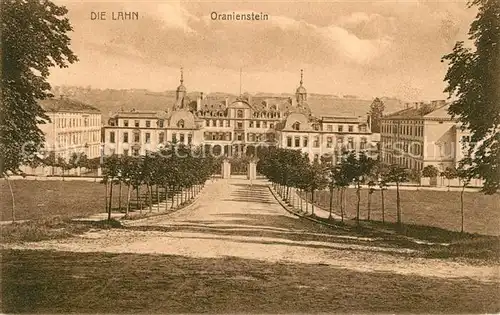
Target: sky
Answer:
[[364, 48]]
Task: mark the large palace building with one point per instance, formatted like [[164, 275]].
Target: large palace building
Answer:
[[237, 124]]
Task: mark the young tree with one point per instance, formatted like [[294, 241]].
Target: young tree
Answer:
[[376, 112], [34, 39], [465, 176], [360, 168], [449, 173], [110, 175], [473, 81], [430, 171], [51, 161], [62, 164], [371, 190], [398, 175]]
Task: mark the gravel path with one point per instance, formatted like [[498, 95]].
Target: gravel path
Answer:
[[232, 218]]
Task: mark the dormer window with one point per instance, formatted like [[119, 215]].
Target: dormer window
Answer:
[[180, 123], [296, 126]]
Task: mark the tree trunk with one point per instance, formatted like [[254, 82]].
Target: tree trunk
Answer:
[[358, 195], [166, 197], [398, 204], [331, 203], [150, 192], [139, 201], [13, 200], [173, 197], [158, 198], [369, 205], [462, 207], [129, 192], [312, 201], [106, 196], [120, 197], [383, 204], [110, 199], [307, 202], [177, 195], [341, 205], [301, 200]]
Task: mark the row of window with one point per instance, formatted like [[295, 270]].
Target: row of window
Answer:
[[340, 128], [78, 122], [147, 137], [403, 146], [409, 130], [74, 138], [239, 114], [404, 161], [296, 142], [147, 123]]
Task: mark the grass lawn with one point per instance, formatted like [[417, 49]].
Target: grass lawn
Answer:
[[64, 282], [44, 199], [432, 208]]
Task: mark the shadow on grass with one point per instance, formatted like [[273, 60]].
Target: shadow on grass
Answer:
[[52, 228], [67, 282]]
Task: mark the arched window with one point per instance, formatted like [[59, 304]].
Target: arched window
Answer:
[[180, 123], [239, 113], [296, 126]]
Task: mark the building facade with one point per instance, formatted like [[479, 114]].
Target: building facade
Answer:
[[421, 135], [229, 125], [74, 127]]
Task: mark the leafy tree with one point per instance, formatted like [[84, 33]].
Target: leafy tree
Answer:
[[358, 169], [315, 180], [430, 171], [93, 164], [398, 175], [63, 165], [381, 172], [473, 80], [51, 161], [110, 175], [449, 173], [415, 175], [376, 112], [342, 180], [34, 39]]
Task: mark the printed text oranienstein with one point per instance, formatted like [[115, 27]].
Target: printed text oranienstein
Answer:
[[239, 16]]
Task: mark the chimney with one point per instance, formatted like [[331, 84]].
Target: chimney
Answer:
[[226, 102], [61, 96], [407, 105]]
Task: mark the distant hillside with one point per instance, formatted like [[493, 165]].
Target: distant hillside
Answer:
[[109, 101]]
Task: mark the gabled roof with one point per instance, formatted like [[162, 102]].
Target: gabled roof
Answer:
[[64, 104], [425, 111]]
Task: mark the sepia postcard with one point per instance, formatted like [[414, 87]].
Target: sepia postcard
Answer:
[[255, 157]]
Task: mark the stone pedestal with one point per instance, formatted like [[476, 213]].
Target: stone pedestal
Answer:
[[226, 169], [99, 171], [252, 170]]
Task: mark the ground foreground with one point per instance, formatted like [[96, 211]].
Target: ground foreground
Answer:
[[63, 282], [236, 250]]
